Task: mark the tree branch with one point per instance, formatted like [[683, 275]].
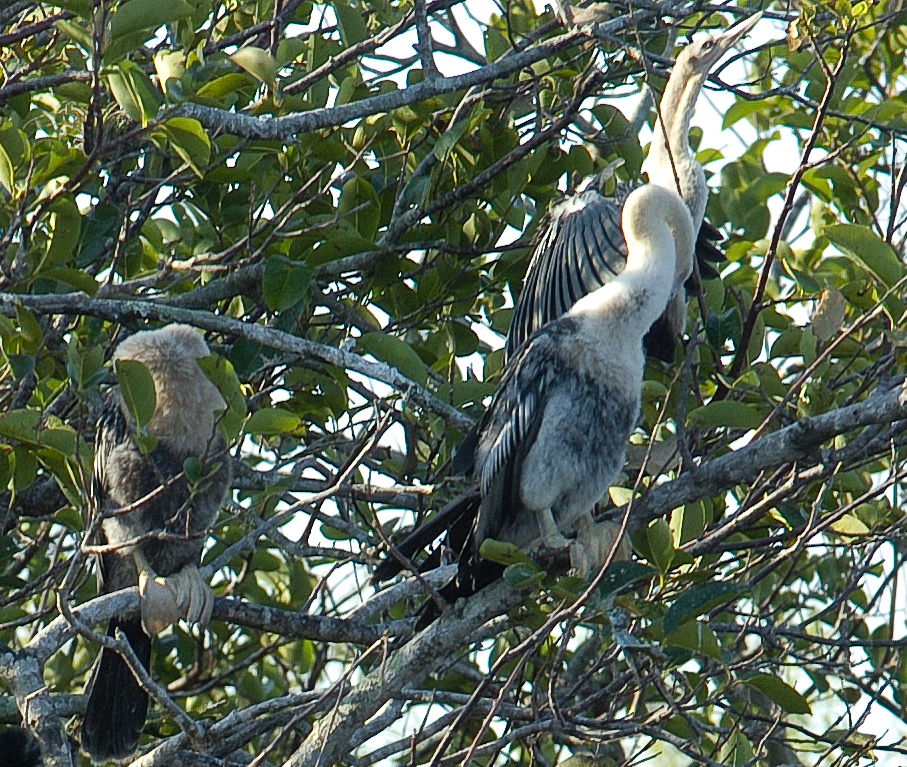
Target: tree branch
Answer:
[[131, 309], [798, 442]]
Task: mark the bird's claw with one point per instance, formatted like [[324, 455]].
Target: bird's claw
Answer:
[[193, 595], [165, 600]]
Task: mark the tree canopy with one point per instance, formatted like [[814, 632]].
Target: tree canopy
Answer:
[[342, 196]]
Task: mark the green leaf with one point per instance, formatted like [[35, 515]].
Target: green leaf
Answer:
[[334, 533], [74, 278], [218, 89], [522, 576], [622, 574], [188, 139], [7, 174], [504, 553], [695, 636], [739, 110], [30, 337], [360, 207], [78, 33], [271, 421], [849, 525], [865, 246], [21, 365], [395, 352], [83, 364], [169, 65], [137, 390], [221, 373], [21, 425], [444, 145], [697, 600], [133, 91], [139, 15], [256, 62], [65, 223], [780, 693], [352, 26], [733, 415], [661, 544], [285, 282]]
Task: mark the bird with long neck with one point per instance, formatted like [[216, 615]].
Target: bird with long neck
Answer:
[[556, 433], [671, 161], [150, 522], [581, 246]]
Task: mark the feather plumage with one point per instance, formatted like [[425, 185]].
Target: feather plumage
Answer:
[[166, 521]]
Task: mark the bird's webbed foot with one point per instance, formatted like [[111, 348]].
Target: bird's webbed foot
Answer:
[[166, 600], [594, 544], [159, 604], [193, 595]]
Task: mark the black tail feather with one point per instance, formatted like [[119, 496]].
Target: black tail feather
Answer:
[[19, 749], [117, 705], [473, 575], [457, 518]]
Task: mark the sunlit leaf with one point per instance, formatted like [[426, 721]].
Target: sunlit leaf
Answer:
[[272, 421], [256, 62]]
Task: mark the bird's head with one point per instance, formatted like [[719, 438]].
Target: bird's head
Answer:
[[170, 344], [702, 54]]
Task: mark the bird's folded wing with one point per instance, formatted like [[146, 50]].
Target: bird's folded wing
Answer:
[[510, 425]]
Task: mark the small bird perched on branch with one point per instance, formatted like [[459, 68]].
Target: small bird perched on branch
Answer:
[[556, 433], [151, 521]]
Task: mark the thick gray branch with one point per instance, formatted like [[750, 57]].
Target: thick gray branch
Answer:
[[331, 736], [798, 442], [287, 127], [286, 623]]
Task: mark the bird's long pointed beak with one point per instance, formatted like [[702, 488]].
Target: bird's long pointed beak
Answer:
[[738, 31]]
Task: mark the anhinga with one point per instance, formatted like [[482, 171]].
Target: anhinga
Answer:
[[152, 521], [556, 432], [579, 245]]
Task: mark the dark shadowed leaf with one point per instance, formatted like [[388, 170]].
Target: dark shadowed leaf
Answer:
[[781, 693], [137, 390], [697, 600]]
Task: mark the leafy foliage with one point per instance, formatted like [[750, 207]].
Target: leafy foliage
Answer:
[[350, 227]]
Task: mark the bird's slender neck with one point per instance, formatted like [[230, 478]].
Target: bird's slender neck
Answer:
[[660, 242], [670, 158], [672, 128]]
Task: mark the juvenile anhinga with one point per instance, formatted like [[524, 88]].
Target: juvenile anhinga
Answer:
[[580, 246], [152, 520], [556, 433]]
